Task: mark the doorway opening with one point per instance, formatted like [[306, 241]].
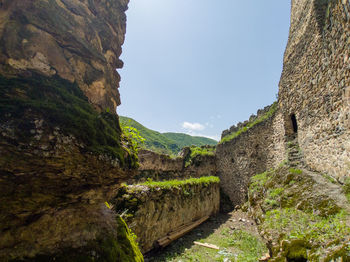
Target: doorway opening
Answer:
[[294, 123]]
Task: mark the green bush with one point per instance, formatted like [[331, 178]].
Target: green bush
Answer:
[[197, 152]]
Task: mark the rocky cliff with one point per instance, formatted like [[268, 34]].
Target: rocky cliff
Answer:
[[62, 150], [79, 41]]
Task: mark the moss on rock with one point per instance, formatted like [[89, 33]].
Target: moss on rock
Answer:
[[62, 105], [126, 247], [298, 218]]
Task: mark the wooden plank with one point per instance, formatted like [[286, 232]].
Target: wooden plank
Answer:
[[206, 245], [266, 257], [179, 232]]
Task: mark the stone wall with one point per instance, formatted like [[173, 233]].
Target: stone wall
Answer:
[[160, 167], [259, 148], [315, 84], [157, 211], [253, 117]]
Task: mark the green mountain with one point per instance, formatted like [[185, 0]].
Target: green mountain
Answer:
[[186, 140], [166, 143]]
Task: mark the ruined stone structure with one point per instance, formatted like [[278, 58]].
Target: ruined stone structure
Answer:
[[313, 115], [252, 152], [157, 212], [160, 167]]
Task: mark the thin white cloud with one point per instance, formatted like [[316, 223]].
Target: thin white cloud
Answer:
[[194, 129], [216, 137], [193, 126]]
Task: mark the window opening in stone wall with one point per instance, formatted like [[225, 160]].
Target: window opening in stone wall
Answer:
[[294, 123]]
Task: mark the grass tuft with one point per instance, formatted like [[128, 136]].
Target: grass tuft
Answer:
[[197, 152], [180, 183]]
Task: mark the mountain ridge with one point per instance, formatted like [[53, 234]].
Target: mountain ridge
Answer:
[[167, 142]]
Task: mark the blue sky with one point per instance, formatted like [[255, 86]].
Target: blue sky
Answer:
[[200, 66]]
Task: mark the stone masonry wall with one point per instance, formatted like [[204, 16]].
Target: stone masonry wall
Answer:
[[160, 167], [156, 212], [315, 84], [259, 148]]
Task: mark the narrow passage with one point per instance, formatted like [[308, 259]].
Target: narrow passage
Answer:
[[235, 234]]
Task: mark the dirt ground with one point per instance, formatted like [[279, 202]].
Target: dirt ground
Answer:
[[234, 233]]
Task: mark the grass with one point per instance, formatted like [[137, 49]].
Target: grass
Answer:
[[295, 171], [346, 189], [244, 129], [276, 192], [288, 209], [197, 152], [296, 224], [180, 183], [128, 198], [235, 246], [202, 151], [258, 181], [330, 178]]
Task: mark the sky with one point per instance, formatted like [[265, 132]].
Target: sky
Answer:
[[201, 66]]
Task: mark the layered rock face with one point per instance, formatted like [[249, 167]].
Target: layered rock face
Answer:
[[77, 40], [62, 152], [315, 84]]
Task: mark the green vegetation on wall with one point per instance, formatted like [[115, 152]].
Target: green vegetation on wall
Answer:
[[165, 143], [244, 129], [126, 248], [235, 245], [62, 105], [130, 197], [196, 152], [205, 180], [135, 139], [305, 224]]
